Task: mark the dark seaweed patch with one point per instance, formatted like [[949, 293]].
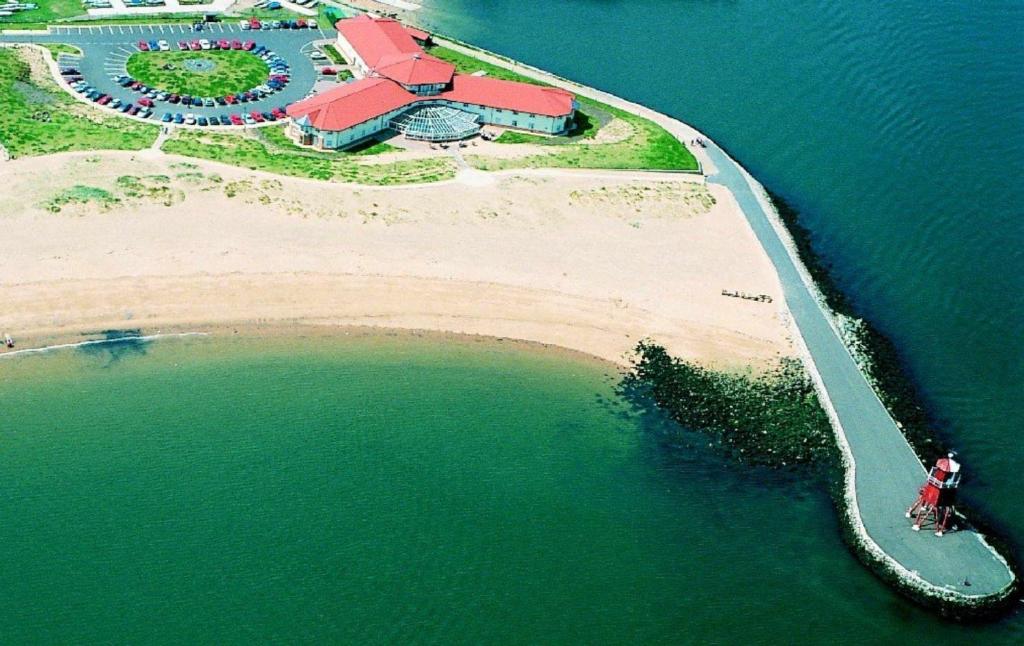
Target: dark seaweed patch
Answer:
[[115, 345]]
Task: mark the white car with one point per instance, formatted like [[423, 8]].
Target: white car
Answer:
[[243, 25], [164, 46], [311, 23], [190, 119], [204, 44]]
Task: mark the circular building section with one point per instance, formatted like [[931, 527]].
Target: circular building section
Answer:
[[436, 123]]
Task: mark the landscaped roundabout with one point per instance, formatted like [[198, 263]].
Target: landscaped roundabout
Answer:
[[204, 73]]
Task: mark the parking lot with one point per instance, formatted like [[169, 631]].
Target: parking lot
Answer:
[[106, 49]]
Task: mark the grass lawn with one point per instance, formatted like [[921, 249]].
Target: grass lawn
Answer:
[[48, 10], [248, 152], [334, 55], [650, 147], [234, 71], [37, 117], [60, 48]]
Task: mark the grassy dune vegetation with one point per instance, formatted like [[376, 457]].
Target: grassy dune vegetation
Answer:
[[249, 152], [774, 419], [648, 147], [277, 140], [47, 11], [234, 72], [37, 117]]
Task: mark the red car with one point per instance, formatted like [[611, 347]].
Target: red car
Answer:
[[279, 113], [195, 45], [236, 120], [136, 85], [328, 71], [300, 23], [105, 99], [224, 44], [236, 44], [254, 23], [230, 99], [256, 116], [249, 45], [182, 44], [146, 101], [143, 46]]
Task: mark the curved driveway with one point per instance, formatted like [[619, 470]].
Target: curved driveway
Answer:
[[105, 49]]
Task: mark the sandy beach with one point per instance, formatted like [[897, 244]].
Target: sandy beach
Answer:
[[591, 262]]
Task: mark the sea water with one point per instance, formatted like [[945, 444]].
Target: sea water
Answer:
[[395, 489]]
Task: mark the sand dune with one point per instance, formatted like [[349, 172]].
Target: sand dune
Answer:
[[588, 261]]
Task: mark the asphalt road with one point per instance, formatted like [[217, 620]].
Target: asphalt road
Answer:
[[106, 48], [888, 472]]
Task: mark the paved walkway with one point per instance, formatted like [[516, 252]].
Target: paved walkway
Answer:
[[887, 472]]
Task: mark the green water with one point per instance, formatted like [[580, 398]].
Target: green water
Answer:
[[393, 490]]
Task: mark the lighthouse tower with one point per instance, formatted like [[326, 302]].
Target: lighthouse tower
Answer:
[[934, 505]]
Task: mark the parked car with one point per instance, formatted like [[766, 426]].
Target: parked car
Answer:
[[182, 44], [154, 46], [197, 101], [115, 104], [254, 23], [164, 46], [225, 120], [300, 24], [167, 117], [204, 44], [255, 114], [236, 44], [134, 110], [245, 25], [224, 43], [161, 96], [186, 99], [221, 100], [202, 121], [209, 103], [248, 119], [146, 101], [195, 45], [179, 119], [268, 116], [230, 99], [312, 23], [279, 113], [144, 113], [125, 107], [236, 120], [328, 71], [249, 45], [143, 46], [190, 119], [102, 99], [174, 98]]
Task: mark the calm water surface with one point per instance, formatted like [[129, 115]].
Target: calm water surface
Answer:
[[394, 490], [897, 129]]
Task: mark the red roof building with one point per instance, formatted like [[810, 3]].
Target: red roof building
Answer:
[[403, 87]]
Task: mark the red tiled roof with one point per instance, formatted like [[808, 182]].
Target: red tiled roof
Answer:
[[351, 104], [510, 95], [418, 34], [375, 38], [415, 69]]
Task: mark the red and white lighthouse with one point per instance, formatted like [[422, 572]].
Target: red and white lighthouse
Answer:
[[935, 504]]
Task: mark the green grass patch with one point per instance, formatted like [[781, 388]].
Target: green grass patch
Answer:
[[772, 419], [38, 118], [60, 48], [250, 153], [648, 147], [233, 71], [80, 194], [47, 11], [334, 55], [465, 64]]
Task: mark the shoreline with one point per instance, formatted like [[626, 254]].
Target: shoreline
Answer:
[[851, 517]]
